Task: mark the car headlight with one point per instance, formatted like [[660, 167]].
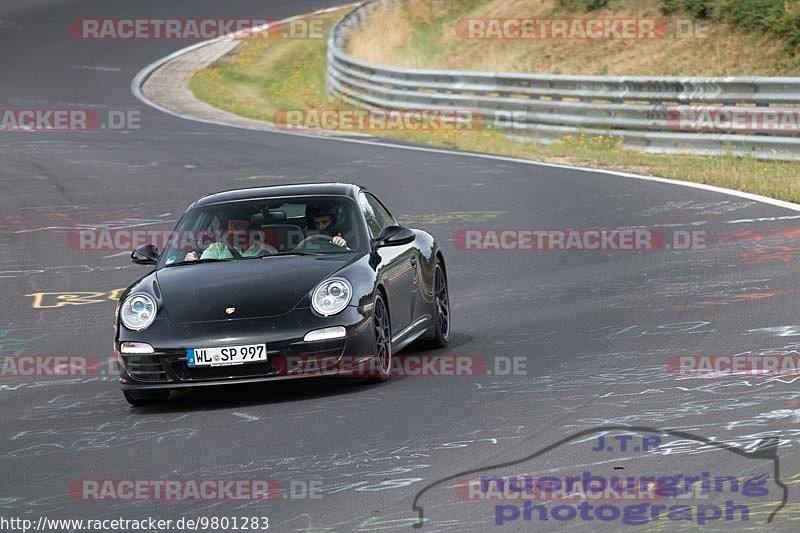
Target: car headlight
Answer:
[[138, 311], [331, 296]]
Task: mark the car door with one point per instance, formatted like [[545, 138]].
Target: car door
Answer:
[[398, 264]]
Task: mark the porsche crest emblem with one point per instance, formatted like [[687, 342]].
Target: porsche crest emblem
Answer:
[[230, 310]]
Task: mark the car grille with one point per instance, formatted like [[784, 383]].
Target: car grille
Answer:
[[333, 347], [145, 368], [294, 357]]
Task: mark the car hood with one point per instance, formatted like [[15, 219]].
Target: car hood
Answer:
[[256, 288]]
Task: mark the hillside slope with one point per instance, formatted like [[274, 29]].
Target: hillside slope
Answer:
[[428, 34]]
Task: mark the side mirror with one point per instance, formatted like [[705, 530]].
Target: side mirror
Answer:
[[395, 236], [145, 255]]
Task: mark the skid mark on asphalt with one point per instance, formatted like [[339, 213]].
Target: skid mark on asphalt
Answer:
[[272, 177], [776, 331], [58, 271], [249, 418], [741, 298], [694, 207], [47, 218], [17, 341], [125, 431], [451, 217], [97, 68], [363, 472]]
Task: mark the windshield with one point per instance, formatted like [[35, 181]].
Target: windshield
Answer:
[[264, 228]]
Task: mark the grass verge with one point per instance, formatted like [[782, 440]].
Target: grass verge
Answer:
[[265, 77]]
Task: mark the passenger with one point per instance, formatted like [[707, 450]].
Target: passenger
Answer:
[[239, 229]]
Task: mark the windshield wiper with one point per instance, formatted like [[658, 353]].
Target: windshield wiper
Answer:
[[197, 261], [332, 252], [301, 252], [275, 255]]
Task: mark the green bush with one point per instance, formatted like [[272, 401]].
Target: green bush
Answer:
[[700, 9], [751, 14], [763, 15], [789, 28], [769, 16], [583, 5]]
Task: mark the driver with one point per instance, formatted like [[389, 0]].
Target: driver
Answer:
[[320, 218], [238, 230]]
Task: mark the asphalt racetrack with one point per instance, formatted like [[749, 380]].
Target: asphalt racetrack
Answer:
[[594, 330]]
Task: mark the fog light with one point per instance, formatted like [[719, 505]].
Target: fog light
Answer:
[[137, 347], [325, 334]]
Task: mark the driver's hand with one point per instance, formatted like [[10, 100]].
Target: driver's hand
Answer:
[[339, 241]]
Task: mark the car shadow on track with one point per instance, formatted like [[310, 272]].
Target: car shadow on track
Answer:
[[221, 397]]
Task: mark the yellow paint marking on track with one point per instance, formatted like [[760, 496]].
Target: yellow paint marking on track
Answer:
[[51, 300]]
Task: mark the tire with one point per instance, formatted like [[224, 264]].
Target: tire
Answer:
[[382, 349], [441, 307], [140, 398]]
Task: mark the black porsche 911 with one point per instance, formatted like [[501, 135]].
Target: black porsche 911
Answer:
[[279, 282]]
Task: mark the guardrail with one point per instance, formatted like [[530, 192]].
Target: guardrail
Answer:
[[648, 113]]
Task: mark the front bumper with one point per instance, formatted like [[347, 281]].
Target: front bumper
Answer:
[[288, 356]]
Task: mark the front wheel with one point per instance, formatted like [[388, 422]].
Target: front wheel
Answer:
[[140, 398], [441, 307], [383, 340]]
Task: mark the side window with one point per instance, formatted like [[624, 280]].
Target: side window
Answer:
[[383, 213], [376, 215], [369, 215]]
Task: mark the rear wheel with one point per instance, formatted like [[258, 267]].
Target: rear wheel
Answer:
[[441, 304], [382, 327], [139, 398]]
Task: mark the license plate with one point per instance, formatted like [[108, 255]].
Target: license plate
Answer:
[[226, 355]]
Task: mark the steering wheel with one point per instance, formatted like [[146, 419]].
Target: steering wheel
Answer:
[[319, 238]]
